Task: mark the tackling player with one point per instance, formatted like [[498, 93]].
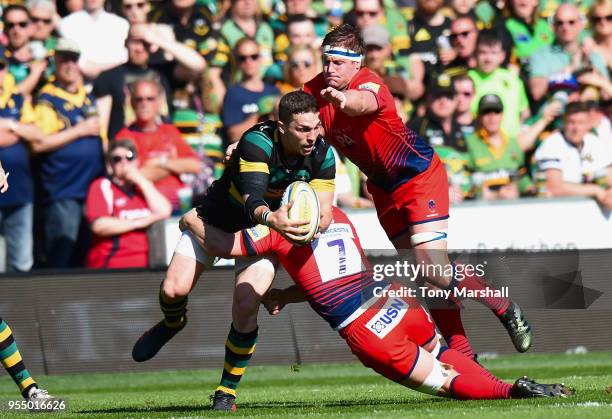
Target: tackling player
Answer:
[[392, 335], [269, 157], [405, 176]]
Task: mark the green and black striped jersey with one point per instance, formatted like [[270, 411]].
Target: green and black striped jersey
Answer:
[[260, 169]]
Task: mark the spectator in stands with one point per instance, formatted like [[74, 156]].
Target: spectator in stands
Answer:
[[463, 37], [119, 209], [16, 130], [194, 26], [576, 162], [44, 19], [489, 78], [112, 86], [371, 12], [439, 125], [464, 96], [600, 17], [303, 64], [495, 159], [135, 11], [100, 36], [244, 20], [70, 153], [429, 39], [296, 8], [529, 32], [600, 123], [379, 55], [565, 58], [27, 69], [300, 33], [164, 155], [244, 102]]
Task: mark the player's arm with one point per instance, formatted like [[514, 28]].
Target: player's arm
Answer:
[[352, 102], [324, 185]]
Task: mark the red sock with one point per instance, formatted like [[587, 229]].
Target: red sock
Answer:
[[477, 387], [449, 322], [474, 283], [464, 364]]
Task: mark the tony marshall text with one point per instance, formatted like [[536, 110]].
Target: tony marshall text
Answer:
[[455, 293]]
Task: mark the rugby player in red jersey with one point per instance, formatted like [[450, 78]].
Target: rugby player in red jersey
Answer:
[[392, 334], [405, 176]]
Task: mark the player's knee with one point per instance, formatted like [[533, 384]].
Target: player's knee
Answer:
[[246, 301], [439, 380], [174, 289], [190, 219]]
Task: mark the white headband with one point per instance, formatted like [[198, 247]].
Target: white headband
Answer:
[[337, 52]]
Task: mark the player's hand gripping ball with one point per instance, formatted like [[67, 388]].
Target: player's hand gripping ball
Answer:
[[305, 207]]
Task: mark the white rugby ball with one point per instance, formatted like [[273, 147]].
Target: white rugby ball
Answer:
[[305, 206]]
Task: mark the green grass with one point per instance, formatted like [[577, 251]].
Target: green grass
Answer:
[[327, 390]]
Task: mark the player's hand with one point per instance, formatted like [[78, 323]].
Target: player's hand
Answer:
[[187, 219], [229, 151], [552, 111], [3, 181], [336, 97], [273, 301], [279, 221]]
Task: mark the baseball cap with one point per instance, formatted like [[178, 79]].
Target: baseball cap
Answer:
[[375, 35], [490, 102], [68, 46], [442, 86]]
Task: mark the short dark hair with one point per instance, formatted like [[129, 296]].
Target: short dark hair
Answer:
[[576, 107], [489, 38], [295, 103], [297, 19], [345, 36], [13, 7], [122, 143]]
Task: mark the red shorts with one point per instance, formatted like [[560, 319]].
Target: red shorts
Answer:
[[387, 336], [422, 199]]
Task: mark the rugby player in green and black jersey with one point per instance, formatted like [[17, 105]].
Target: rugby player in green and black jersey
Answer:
[[269, 157]]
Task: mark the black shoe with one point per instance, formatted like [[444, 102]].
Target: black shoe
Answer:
[[517, 327], [525, 388], [149, 344], [223, 401]]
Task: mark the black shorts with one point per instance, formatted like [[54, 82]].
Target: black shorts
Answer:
[[219, 211]]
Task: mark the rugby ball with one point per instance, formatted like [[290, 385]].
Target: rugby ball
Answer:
[[305, 206]]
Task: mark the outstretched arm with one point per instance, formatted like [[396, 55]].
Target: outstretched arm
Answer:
[[351, 102]]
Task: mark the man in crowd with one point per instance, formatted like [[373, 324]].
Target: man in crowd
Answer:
[[71, 154]]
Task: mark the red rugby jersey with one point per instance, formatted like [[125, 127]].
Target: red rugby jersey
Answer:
[[128, 250], [332, 271], [378, 143]]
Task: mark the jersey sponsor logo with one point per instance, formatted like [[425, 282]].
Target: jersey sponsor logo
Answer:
[[431, 205], [258, 232], [344, 140], [120, 202], [134, 214], [249, 108], [370, 86], [388, 317], [422, 35]]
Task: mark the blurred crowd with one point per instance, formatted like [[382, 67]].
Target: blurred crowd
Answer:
[[116, 114]]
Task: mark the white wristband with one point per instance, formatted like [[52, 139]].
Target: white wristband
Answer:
[[265, 216]]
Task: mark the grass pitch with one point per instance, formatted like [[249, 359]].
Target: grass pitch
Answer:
[[326, 390]]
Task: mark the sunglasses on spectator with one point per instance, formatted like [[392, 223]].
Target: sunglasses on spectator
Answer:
[[570, 22], [297, 64], [139, 99], [244, 58], [463, 34], [139, 5], [370, 13], [116, 158], [41, 20], [21, 24], [601, 19]]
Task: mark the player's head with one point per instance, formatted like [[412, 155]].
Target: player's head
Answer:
[[122, 157], [343, 51], [299, 123]]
